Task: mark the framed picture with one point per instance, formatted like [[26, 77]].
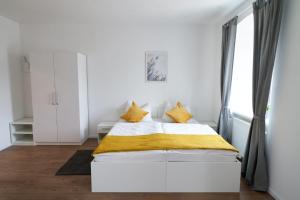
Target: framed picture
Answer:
[[156, 66]]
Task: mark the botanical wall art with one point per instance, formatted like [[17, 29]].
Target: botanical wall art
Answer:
[[156, 66]]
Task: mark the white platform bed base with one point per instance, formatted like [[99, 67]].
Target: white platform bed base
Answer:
[[165, 176]]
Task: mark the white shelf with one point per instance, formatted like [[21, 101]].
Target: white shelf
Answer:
[[212, 124], [104, 127], [23, 139], [22, 132], [22, 129], [23, 121], [21, 143]]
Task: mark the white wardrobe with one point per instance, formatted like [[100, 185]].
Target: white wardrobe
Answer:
[[59, 98]]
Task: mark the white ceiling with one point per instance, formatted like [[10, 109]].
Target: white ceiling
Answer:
[[117, 11]]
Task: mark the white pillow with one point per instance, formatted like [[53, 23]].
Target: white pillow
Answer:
[[148, 118], [146, 107], [165, 117], [168, 107]]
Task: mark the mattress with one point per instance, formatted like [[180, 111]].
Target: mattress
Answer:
[[144, 128]]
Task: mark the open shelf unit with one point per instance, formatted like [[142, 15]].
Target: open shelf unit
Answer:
[[21, 132]]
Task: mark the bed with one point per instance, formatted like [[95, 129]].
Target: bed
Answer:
[[178, 170]]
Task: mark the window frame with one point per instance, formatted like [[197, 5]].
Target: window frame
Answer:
[[235, 114]]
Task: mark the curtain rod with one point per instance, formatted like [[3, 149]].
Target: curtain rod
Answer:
[[244, 12], [241, 11]]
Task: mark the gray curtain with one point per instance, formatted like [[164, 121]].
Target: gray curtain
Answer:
[[228, 46], [267, 19]]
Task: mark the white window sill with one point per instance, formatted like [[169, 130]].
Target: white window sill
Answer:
[[249, 119], [242, 117]]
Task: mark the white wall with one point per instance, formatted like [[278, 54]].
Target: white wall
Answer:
[[27, 88], [217, 72], [116, 63], [284, 137], [11, 104]]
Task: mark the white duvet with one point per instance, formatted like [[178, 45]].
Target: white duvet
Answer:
[[140, 128], [145, 128]]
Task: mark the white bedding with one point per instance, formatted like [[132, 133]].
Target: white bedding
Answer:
[[140, 128], [144, 128], [190, 121], [187, 129]]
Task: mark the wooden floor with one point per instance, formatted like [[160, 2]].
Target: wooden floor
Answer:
[[27, 173]]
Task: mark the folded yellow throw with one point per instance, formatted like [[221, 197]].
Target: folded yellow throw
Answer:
[[159, 141]]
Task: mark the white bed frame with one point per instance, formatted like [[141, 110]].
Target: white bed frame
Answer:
[[112, 176], [109, 176]]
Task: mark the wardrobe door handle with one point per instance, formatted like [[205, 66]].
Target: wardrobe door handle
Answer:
[[56, 99], [53, 99], [50, 99]]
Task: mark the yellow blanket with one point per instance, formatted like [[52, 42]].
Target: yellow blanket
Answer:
[[158, 141]]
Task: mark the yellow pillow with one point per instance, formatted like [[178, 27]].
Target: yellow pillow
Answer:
[[179, 114], [134, 113]]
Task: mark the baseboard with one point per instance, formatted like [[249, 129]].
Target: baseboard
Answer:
[[274, 194], [4, 147], [84, 139], [57, 143]]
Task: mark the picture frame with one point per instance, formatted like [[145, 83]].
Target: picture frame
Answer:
[[156, 66]]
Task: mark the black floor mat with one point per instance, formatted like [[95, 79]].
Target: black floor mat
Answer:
[[78, 164]]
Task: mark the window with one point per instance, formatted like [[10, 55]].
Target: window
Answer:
[[241, 89]]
